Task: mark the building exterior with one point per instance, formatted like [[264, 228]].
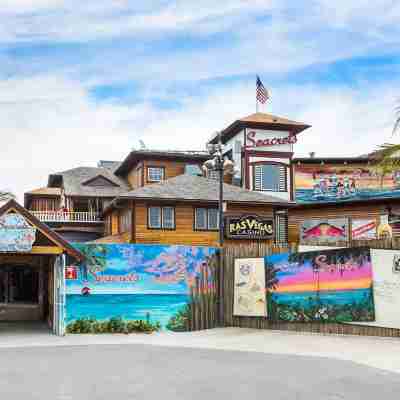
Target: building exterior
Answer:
[[355, 189], [184, 210], [31, 268]]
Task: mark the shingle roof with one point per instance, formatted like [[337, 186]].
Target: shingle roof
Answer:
[[74, 179], [191, 188], [270, 119], [48, 191], [137, 155]]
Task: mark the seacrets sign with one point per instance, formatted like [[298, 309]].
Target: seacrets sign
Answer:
[[249, 227], [254, 139]]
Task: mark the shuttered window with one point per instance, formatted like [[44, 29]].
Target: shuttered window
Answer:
[[270, 177], [281, 228]]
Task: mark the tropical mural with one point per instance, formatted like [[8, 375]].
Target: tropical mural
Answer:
[[337, 183], [135, 282], [323, 286]]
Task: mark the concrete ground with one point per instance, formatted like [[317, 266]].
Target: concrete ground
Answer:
[[137, 371], [381, 353]]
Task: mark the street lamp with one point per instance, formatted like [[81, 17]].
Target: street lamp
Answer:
[[222, 166]]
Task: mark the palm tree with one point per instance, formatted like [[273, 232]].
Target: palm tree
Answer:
[[4, 195]]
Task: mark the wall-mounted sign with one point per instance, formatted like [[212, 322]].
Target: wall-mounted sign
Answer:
[[363, 229], [16, 235], [252, 140], [249, 227], [315, 231]]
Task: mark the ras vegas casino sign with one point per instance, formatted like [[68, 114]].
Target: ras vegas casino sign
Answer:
[[249, 227]]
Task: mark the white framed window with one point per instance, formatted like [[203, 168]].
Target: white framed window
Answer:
[[168, 217], [155, 174], [161, 217], [206, 219], [270, 177], [154, 217]]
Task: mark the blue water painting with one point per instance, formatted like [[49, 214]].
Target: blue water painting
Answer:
[[133, 281], [159, 307]]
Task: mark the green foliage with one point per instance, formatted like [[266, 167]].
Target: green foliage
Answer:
[[180, 321], [315, 311], [113, 325]]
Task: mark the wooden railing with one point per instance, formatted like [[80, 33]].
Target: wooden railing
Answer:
[[60, 216]]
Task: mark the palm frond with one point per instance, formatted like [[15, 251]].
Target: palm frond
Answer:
[[6, 195]]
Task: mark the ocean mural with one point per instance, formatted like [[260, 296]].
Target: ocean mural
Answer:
[[135, 282], [314, 231], [340, 183], [323, 286]]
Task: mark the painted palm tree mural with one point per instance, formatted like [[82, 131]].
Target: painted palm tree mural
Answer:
[[324, 286], [152, 283]]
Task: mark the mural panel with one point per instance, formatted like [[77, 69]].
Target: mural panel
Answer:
[[16, 235], [386, 265], [338, 183], [314, 231], [249, 295], [135, 282], [323, 286]]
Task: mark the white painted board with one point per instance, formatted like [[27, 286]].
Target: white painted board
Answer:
[[249, 294]]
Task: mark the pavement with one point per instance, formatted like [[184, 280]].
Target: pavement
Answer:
[[137, 371], [383, 353]]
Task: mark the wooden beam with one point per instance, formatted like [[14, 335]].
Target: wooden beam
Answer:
[[46, 250]]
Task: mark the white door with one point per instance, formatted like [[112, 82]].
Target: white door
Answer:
[[59, 296]]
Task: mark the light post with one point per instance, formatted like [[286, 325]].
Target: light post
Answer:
[[222, 166]]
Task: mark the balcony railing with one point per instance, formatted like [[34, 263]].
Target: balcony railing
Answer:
[[60, 216]]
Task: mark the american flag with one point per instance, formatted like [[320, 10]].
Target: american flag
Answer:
[[262, 93]]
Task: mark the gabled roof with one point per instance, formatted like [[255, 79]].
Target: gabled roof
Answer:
[[196, 188], [75, 181], [261, 121], [138, 155], [54, 237]]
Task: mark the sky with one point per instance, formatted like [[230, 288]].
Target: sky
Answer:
[[82, 81]]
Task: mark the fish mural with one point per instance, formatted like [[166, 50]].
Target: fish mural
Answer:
[[324, 286], [322, 231]]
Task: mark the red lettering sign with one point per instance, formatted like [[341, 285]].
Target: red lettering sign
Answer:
[[252, 141]]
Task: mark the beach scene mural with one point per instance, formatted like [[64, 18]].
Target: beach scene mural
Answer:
[[323, 286], [338, 183], [135, 282]]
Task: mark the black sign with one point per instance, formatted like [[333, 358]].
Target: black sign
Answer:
[[249, 227]]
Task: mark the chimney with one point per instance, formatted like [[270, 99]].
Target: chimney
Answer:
[[312, 154]]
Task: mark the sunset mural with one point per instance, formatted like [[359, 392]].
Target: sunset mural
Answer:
[[331, 285]]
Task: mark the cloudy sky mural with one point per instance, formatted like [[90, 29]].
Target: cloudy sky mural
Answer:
[[93, 78]]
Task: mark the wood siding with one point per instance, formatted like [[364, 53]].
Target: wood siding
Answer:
[[297, 216], [45, 204]]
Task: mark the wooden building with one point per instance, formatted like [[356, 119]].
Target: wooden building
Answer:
[[353, 188], [183, 210], [31, 268]]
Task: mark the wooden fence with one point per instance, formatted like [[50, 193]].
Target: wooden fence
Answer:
[[203, 304], [230, 253]]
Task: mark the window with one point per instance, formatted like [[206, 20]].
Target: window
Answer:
[[270, 177], [161, 217], [155, 174], [206, 219], [125, 221], [281, 227]]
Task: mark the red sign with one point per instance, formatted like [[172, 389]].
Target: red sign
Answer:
[[71, 273], [252, 140]]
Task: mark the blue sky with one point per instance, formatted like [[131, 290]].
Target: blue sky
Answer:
[[83, 81]]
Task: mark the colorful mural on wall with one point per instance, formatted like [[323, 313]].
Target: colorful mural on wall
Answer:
[[386, 282], [249, 294], [323, 286], [16, 235], [314, 231], [135, 282], [337, 183]]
